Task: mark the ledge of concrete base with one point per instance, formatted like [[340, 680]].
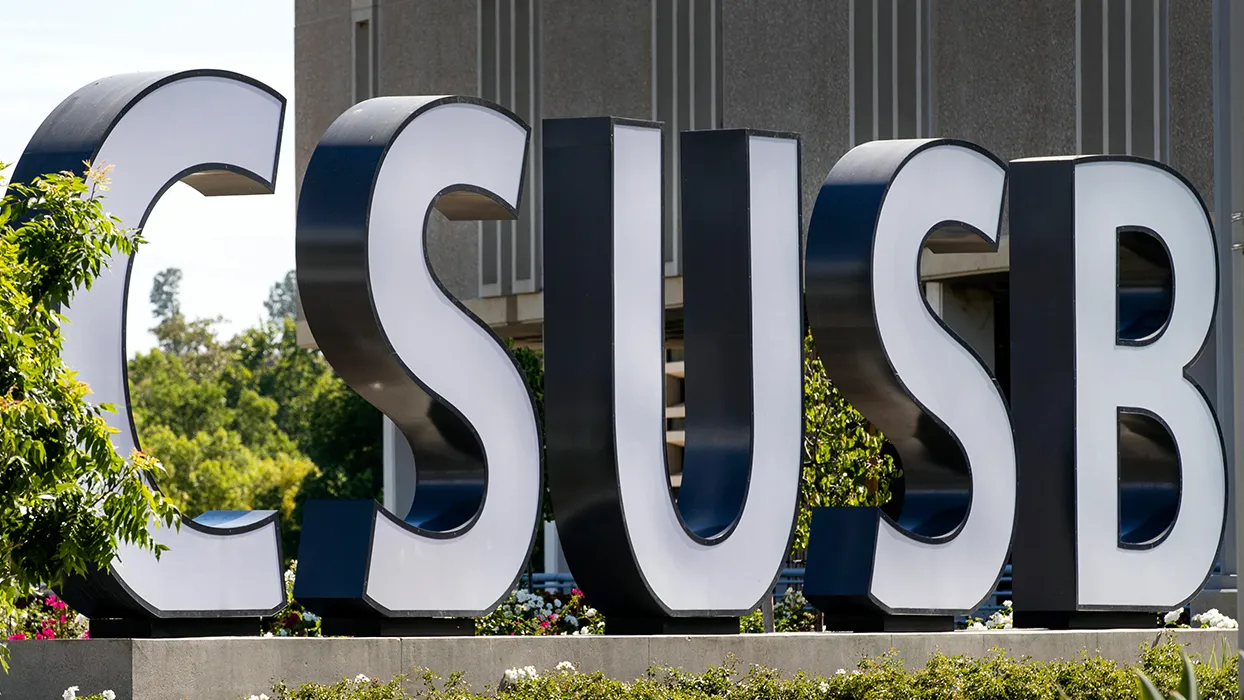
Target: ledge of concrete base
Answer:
[[229, 668]]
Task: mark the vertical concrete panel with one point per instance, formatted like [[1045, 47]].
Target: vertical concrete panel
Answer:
[[324, 65], [430, 47], [788, 71], [1191, 94], [597, 58], [1004, 75]]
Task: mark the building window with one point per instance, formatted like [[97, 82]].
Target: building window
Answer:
[[1121, 78], [686, 92], [363, 13], [509, 75], [889, 74]]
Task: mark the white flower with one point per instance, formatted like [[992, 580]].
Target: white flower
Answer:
[[261, 696], [109, 695], [824, 687], [71, 693], [515, 675], [840, 672], [1215, 620], [360, 678], [590, 612], [976, 626], [1006, 604], [566, 666], [1172, 617]]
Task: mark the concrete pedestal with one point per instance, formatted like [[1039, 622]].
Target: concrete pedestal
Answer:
[[229, 668]]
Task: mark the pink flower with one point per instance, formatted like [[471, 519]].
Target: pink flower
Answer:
[[545, 624], [38, 636], [575, 591], [86, 634], [62, 619], [19, 635], [48, 633]]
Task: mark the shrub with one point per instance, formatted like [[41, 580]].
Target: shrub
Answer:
[[541, 613], [995, 676], [45, 617], [790, 614]]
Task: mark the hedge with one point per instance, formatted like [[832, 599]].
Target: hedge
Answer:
[[996, 676]]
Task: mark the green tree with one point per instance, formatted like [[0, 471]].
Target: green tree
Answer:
[[252, 409], [200, 409], [165, 293], [68, 498], [282, 298], [844, 464]]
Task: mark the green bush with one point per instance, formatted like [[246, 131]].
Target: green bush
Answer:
[[996, 676]]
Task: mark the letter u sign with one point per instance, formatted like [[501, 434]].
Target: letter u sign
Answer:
[[1042, 476]]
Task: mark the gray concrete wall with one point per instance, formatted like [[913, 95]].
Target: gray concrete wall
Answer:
[[597, 58], [424, 47], [323, 65], [1191, 95], [429, 47], [788, 71], [226, 669]]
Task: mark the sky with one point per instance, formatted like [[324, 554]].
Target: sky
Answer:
[[230, 249]]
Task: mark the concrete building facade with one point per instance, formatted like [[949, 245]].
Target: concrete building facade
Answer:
[[1022, 78]]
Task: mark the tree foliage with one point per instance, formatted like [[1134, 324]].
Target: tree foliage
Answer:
[[165, 293], [282, 298], [68, 498], [255, 422], [844, 464]]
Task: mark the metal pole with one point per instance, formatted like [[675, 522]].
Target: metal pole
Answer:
[[1224, 336], [1228, 179]]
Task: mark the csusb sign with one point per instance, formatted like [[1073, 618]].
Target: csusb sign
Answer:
[[1036, 478]]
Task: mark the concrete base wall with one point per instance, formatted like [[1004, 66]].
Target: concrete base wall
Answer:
[[226, 669]]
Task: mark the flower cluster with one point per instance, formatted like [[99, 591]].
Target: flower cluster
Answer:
[[46, 617], [1003, 619], [517, 675], [71, 693], [541, 613], [294, 621], [1213, 619]]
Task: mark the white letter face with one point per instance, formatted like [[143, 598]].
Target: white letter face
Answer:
[[911, 376], [219, 133], [1081, 387], [1147, 377], [715, 553], [406, 345]]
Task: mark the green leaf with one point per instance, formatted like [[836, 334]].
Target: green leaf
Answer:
[[1148, 691], [1187, 684]]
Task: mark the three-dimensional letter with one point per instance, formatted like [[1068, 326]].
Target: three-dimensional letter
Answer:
[[1096, 539], [649, 563], [911, 376], [404, 343], [220, 133]]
